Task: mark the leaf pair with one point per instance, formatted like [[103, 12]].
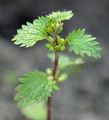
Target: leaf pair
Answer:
[[80, 42]]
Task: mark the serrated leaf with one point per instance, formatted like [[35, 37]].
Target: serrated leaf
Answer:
[[65, 60], [29, 34], [34, 87], [60, 16], [83, 44]]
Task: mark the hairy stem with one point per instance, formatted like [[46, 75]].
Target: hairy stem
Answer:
[[55, 66]]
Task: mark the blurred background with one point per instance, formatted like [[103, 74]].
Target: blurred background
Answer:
[[85, 96]]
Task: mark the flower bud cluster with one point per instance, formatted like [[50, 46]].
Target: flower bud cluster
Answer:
[[60, 46]]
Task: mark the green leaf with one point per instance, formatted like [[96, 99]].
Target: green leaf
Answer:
[[65, 60], [83, 44], [29, 34], [34, 87], [60, 16], [36, 111]]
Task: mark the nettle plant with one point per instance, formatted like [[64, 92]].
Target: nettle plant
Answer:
[[37, 86]]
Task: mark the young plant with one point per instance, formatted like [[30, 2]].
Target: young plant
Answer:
[[37, 86]]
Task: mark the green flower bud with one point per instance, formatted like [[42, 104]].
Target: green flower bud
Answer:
[[48, 46], [62, 77], [59, 27], [57, 47], [48, 29], [50, 78], [62, 48], [49, 71], [51, 49], [65, 42], [50, 38], [61, 41], [55, 87]]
